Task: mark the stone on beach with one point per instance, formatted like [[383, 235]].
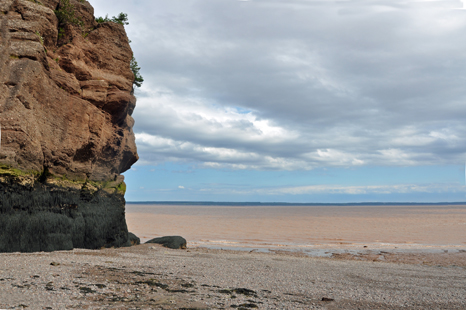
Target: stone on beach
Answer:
[[133, 239], [148, 277], [172, 242]]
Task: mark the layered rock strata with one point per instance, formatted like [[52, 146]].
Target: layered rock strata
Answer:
[[66, 99]]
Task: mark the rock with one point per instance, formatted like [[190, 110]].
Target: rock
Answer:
[[66, 129], [132, 240], [245, 291], [172, 242], [248, 306], [61, 116]]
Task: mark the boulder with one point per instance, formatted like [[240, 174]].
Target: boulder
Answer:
[[172, 242], [133, 239]]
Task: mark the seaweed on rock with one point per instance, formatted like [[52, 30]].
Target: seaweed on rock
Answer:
[[48, 218]]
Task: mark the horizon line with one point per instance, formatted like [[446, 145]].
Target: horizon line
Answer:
[[257, 203]]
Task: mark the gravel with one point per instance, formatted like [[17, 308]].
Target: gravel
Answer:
[[152, 277]]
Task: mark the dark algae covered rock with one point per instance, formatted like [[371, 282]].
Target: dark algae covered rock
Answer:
[[133, 239], [172, 242], [66, 99], [49, 217]]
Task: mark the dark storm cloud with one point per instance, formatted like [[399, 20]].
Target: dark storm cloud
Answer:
[[299, 84]]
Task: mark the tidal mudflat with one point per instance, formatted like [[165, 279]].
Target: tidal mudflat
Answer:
[[310, 229]]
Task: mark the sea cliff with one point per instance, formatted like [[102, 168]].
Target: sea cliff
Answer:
[[66, 99]]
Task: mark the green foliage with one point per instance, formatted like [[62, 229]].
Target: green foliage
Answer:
[[66, 14], [122, 187], [61, 32], [121, 19], [138, 79], [8, 170], [41, 39], [101, 19]]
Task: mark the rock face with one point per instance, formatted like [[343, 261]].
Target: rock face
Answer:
[[66, 99]]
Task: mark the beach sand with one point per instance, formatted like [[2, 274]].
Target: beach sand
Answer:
[[152, 277], [357, 257]]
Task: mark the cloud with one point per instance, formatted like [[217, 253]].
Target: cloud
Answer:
[[350, 190], [294, 85]]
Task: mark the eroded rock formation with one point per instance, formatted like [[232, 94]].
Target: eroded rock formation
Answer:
[[66, 128]]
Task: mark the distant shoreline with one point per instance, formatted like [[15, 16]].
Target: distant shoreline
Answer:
[[224, 203]]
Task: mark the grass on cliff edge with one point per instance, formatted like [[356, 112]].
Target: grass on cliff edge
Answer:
[[42, 176], [9, 171]]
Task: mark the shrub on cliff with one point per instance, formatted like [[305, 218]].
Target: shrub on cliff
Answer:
[[66, 14], [138, 79], [121, 19]]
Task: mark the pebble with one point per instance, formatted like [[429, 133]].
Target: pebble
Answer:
[[138, 277]]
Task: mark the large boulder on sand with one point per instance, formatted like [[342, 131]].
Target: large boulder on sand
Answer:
[[172, 242]]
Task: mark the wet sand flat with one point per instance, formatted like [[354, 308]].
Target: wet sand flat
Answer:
[[300, 226]]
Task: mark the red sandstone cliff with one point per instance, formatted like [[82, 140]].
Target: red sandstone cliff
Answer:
[[66, 128], [65, 100]]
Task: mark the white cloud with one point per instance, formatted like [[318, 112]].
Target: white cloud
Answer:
[[295, 85], [351, 190]]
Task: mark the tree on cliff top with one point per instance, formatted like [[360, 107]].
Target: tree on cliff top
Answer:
[[122, 19]]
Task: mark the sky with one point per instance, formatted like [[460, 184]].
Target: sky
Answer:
[[298, 100]]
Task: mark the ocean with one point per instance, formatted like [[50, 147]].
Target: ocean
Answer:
[[307, 228]]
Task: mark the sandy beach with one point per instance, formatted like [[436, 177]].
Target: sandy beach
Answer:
[[358, 257], [152, 277]]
